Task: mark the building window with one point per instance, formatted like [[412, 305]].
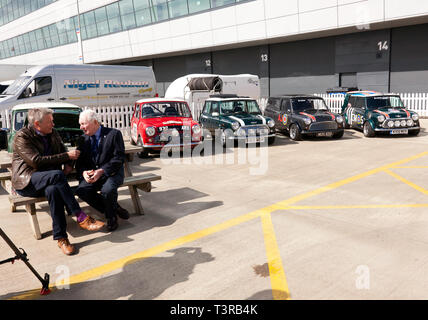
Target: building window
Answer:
[[159, 10], [177, 8], [101, 21], [90, 25], [198, 5], [113, 16], [127, 14], [220, 3], [142, 12]]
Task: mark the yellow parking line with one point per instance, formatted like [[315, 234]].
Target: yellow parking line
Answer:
[[282, 205], [276, 271], [411, 167], [359, 206], [409, 183]]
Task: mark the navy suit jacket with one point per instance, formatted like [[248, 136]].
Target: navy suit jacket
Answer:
[[111, 153]]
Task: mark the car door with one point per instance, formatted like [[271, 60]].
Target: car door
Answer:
[[359, 110], [214, 117], [40, 89], [285, 115], [204, 118], [272, 109]]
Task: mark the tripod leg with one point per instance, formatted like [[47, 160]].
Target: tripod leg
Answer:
[[23, 256]]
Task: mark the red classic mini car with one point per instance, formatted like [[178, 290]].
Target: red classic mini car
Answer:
[[160, 122]]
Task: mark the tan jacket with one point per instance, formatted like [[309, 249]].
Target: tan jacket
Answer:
[[28, 156]]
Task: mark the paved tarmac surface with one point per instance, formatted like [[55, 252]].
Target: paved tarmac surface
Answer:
[[314, 219]]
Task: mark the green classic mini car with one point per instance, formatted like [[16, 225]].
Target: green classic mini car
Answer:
[[234, 118], [66, 120], [375, 113]]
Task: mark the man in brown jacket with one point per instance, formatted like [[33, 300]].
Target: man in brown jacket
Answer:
[[38, 156]]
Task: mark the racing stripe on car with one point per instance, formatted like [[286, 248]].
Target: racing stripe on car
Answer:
[[241, 122], [333, 117], [263, 119], [407, 112], [309, 115], [382, 113]]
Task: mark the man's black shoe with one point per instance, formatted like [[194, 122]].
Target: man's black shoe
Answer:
[[112, 224], [122, 213]]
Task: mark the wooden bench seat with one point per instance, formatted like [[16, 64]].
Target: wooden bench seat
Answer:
[[142, 182]]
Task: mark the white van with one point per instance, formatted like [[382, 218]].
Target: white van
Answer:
[[83, 85]]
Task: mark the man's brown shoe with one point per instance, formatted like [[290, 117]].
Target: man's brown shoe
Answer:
[[91, 224], [65, 246]]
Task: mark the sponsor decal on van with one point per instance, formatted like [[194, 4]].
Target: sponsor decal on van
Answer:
[[84, 85]]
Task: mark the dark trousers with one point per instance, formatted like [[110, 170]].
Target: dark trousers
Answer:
[[53, 184], [105, 201]]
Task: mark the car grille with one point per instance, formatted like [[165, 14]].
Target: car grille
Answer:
[[327, 125], [165, 136], [258, 130]]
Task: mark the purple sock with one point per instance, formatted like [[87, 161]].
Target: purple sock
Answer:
[[81, 216]]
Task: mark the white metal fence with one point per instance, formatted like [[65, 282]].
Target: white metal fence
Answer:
[[119, 117]]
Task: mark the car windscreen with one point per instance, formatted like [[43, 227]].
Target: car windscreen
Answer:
[[66, 120], [237, 106], [304, 104], [17, 86], [165, 109], [384, 101], [61, 120]]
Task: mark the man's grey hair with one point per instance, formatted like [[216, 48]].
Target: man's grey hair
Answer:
[[37, 114], [89, 115]]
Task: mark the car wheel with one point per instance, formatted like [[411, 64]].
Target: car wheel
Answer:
[[271, 140], [338, 135], [368, 130], [295, 133], [144, 153], [345, 123], [414, 132]]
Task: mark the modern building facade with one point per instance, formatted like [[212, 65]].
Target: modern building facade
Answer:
[[294, 46]]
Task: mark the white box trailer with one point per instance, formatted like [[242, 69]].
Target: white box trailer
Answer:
[[196, 88], [83, 85]]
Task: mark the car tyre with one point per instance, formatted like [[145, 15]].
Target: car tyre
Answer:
[[338, 135], [144, 153], [295, 133], [368, 130], [271, 140], [414, 132]]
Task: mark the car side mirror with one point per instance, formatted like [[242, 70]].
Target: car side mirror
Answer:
[[215, 114]]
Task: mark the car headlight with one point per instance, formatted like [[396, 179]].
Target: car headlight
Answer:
[[241, 132], [307, 121], [235, 126], [381, 118], [397, 123], [196, 129], [390, 124], [339, 119], [271, 123], [415, 117], [410, 123], [150, 131], [403, 123]]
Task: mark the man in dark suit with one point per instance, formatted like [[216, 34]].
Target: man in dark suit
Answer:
[[100, 167], [38, 156]]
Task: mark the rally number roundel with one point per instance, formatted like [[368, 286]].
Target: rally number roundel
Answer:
[[284, 119]]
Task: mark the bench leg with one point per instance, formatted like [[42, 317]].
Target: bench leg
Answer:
[[136, 200], [31, 210]]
